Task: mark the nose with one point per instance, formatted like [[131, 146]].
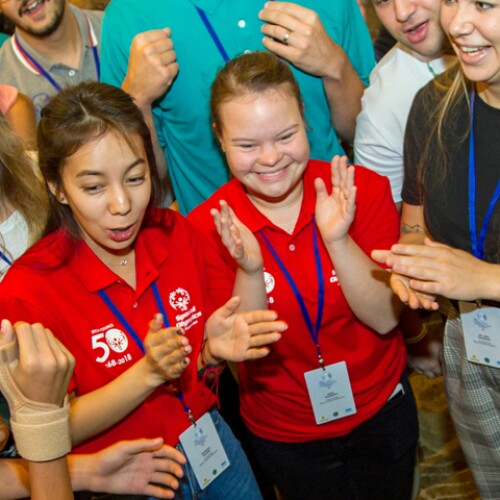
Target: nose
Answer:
[[270, 155], [460, 22], [119, 201], [404, 9]]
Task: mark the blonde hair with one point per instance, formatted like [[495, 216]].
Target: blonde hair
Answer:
[[20, 188]]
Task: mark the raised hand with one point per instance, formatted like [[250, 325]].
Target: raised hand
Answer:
[[39, 364], [152, 66], [237, 238], [335, 211], [298, 35], [233, 336], [167, 351]]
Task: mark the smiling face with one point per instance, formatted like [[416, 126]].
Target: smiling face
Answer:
[[36, 17], [107, 186], [266, 145], [474, 31], [414, 23]]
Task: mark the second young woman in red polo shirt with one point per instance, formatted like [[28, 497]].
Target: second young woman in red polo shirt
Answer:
[[329, 412]]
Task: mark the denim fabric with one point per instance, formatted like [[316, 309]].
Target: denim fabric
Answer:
[[374, 462], [235, 483]]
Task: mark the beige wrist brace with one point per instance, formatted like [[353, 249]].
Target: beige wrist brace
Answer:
[[41, 430]]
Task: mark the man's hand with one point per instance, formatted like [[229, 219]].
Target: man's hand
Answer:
[[152, 66]]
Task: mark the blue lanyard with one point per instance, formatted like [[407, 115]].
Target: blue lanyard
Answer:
[[5, 258], [478, 243], [213, 34], [159, 302], [313, 329], [45, 74], [104, 296]]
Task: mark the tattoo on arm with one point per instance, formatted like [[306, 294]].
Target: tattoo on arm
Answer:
[[417, 228]]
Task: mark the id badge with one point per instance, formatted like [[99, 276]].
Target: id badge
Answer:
[[330, 392], [204, 450], [481, 325]]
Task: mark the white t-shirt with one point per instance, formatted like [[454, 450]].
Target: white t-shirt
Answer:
[[380, 126], [14, 240]]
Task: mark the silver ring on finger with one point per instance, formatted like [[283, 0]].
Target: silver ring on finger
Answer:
[[285, 38]]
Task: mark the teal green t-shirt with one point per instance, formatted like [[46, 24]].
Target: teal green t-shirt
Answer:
[[196, 165]]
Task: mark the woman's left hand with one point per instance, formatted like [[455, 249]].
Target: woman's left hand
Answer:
[[234, 336], [238, 239], [438, 269], [335, 211]]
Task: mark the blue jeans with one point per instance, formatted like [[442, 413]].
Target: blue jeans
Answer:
[[373, 462], [236, 482]]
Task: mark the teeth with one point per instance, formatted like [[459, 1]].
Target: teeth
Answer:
[[470, 50], [34, 5]]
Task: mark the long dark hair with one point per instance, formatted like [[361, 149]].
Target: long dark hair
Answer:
[[76, 116]]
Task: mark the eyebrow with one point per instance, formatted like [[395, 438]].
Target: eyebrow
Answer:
[[85, 173], [291, 128]]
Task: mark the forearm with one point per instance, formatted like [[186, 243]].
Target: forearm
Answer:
[[365, 286], [161, 160], [50, 480], [96, 411], [251, 289], [343, 89]]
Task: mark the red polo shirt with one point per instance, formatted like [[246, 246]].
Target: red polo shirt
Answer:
[[274, 401], [61, 292]]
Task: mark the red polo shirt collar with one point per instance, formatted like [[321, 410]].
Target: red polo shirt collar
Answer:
[[150, 252], [256, 221]]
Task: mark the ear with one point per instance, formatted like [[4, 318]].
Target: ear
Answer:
[[58, 193]]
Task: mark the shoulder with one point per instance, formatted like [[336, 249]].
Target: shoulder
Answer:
[[8, 96]]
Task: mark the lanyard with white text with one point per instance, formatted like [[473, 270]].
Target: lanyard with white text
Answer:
[[38, 68], [478, 242], [313, 329], [105, 297]]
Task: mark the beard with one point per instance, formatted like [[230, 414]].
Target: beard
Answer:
[[52, 24]]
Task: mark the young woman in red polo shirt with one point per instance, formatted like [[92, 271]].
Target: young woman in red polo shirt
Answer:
[[329, 412], [132, 292]]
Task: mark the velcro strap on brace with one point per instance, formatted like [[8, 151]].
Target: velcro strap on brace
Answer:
[[41, 430]]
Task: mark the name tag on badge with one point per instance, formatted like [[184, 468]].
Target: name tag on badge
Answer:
[[481, 325], [204, 450], [330, 392]]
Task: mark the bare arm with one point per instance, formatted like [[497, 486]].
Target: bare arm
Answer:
[[364, 284], [166, 358], [309, 48]]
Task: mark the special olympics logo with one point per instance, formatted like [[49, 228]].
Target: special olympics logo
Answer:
[[116, 340], [179, 299], [269, 282]]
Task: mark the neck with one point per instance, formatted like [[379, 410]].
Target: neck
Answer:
[[283, 213], [62, 46], [489, 93]]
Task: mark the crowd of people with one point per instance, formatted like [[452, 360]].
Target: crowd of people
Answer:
[[222, 225]]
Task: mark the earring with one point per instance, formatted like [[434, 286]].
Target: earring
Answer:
[[61, 198]]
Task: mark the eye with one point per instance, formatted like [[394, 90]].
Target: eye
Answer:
[[378, 3], [246, 146], [136, 179], [92, 189], [484, 5], [287, 137]]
